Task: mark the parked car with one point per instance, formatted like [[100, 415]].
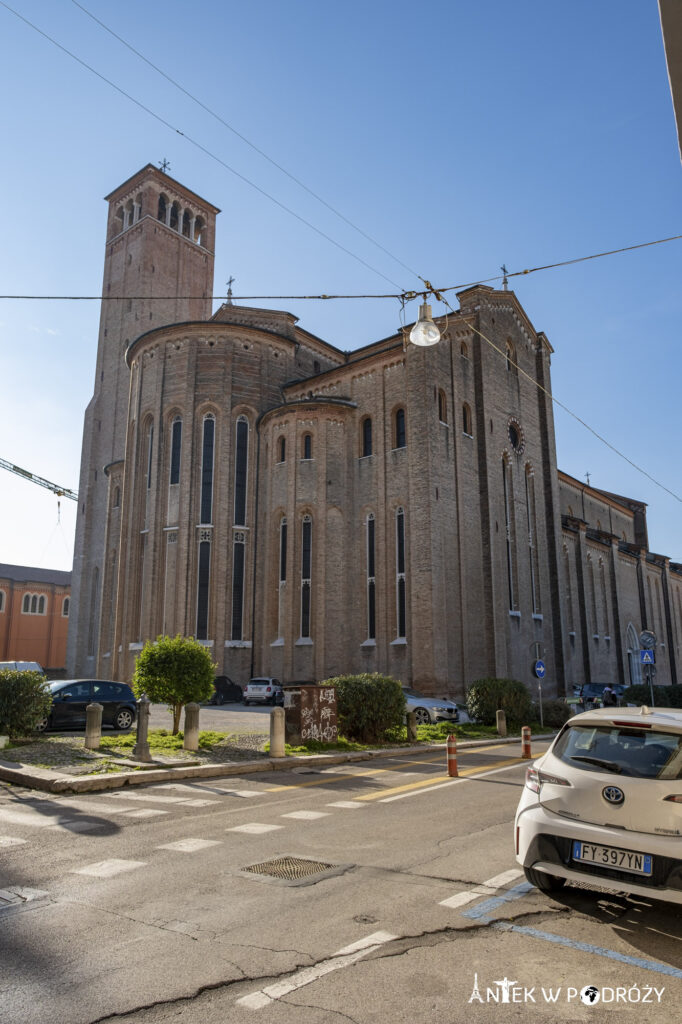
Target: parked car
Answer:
[[21, 666], [226, 691], [590, 694], [429, 710], [70, 698], [263, 690], [604, 805]]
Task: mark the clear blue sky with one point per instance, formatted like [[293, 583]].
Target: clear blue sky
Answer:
[[459, 135]]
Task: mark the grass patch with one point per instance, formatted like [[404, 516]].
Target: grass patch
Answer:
[[315, 747], [162, 739]]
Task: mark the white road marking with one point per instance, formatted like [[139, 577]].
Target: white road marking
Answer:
[[10, 841], [484, 889], [78, 825], [306, 815], [344, 958], [254, 828], [441, 785], [144, 812], [350, 804], [108, 868], [494, 771], [29, 817], [189, 845], [199, 803], [148, 798]]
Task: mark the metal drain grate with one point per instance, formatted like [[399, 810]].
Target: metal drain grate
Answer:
[[289, 868]]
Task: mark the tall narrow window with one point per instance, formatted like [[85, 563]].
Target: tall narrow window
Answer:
[[366, 437], [150, 449], [532, 540], [604, 597], [307, 446], [371, 581], [281, 449], [400, 432], [208, 444], [203, 578], [568, 591], [442, 406], [240, 471], [34, 604], [401, 606], [592, 595], [306, 574], [466, 420], [509, 533], [281, 588], [510, 356], [176, 441], [41, 605], [238, 559], [26, 605]]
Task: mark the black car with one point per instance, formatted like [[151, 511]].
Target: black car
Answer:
[[226, 691], [71, 697], [591, 694]]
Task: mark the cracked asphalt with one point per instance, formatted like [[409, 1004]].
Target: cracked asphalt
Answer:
[[137, 908]]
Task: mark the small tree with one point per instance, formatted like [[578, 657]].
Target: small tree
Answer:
[[176, 671], [25, 699], [487, 696]]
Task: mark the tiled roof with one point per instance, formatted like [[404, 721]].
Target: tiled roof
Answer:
[[29, 574]]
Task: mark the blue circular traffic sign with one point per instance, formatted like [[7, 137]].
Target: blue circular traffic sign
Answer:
[[539, 669]]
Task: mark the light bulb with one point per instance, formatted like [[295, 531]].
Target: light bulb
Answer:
[[424, 332]]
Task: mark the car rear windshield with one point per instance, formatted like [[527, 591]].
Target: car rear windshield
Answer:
[[643, 753]]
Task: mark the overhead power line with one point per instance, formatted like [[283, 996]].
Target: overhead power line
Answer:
[[406, 296], [244, 139], [199, 146]]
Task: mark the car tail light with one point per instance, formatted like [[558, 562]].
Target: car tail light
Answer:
[[535, 779], [675, 798], [268, 689]]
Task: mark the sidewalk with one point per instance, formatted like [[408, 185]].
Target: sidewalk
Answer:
[[128, 772]]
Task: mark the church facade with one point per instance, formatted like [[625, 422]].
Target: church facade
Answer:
[[305, 511]]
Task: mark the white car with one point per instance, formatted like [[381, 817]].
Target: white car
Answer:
[[603, 806], [429, 710]]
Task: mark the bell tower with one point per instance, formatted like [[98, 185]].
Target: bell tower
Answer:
[[158, 270]]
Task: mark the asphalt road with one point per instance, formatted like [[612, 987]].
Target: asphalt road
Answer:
[[139, 906]]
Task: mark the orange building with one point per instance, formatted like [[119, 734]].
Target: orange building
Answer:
[[34, 615]]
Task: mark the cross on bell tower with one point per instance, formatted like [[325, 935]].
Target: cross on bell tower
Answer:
[[229, 290]]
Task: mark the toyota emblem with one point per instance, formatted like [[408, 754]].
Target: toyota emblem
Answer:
[[613, 795]]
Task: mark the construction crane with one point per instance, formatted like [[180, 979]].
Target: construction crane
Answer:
[[61, 492]]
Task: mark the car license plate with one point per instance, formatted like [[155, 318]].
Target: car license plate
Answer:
[[611, 857]]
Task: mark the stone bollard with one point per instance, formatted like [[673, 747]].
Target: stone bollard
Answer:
[[411, 726], [501, 723], [93, 726], [191, 740], [277, 718], [141, 749]]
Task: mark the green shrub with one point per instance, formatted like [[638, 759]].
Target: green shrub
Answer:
[[24, 700], [368, 705], [664, 696], [176, 671], [554, 713], [487, 696]]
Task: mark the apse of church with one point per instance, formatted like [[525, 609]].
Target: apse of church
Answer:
[[304, 511]]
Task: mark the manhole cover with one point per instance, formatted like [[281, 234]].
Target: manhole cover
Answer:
[[290, 868]]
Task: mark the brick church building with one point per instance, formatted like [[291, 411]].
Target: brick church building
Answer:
[[305, 511]]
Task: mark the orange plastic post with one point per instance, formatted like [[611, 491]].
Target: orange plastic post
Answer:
[[525, 742], [451, 747]]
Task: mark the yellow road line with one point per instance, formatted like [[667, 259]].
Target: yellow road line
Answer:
[[438, 779], [331, 778]]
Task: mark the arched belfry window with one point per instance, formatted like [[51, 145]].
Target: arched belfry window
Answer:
[[175, 217], [463, 350], [366, 448], [510, 356], [161, 212], [399, 429], [186, 220], [199, 230], [207, 453]]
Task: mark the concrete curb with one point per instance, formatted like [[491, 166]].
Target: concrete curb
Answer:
[[58, 782]]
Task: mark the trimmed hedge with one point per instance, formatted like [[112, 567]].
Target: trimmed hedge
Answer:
[[24, 700], [555, 713], [368, 705], [487, 696], [665, 696]]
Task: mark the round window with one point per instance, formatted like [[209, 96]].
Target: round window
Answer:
[[516, 436]]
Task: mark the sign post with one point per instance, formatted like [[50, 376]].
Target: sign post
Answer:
[[540, 670], [647, 658]]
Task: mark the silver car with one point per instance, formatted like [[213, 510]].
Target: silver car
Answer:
[[429, 710]]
